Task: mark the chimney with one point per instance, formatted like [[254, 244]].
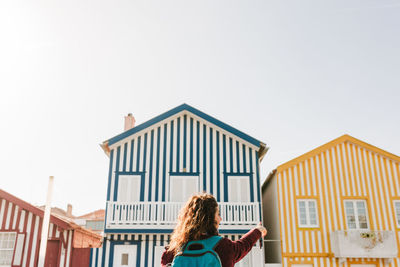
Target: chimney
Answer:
[[69, 210], [129, 122]]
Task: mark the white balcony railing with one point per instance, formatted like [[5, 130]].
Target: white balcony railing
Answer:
[[364, 244], [164, 214]]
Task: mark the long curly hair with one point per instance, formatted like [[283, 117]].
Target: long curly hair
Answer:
[[195, 219]]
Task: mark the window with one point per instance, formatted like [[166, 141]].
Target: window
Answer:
[[239, 189], [95, 225], [397, 211], [307, 212], [129, 188], [7, 243], [182, 187], [356, 214], [124, 259]]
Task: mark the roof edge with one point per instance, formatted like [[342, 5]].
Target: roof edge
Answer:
[[176, 110], [35, 210], [332, 143]]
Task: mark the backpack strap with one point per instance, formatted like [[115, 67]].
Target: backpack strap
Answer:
[[202, 246]]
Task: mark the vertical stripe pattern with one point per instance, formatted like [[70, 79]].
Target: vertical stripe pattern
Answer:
[[340, 172]]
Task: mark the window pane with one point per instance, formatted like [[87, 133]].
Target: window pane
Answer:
[[361, 207], [302, 213], [312, 212], [124, 258], [350, 216], [397, 208], [7, 242]]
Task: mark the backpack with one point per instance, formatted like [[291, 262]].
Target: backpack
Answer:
[[198, 253]]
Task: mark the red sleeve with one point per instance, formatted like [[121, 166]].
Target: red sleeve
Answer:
[[231, 252], [167, 257]]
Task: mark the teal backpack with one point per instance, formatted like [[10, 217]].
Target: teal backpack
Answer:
[[198, 253]]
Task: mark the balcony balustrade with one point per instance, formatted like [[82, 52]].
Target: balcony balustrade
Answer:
[[364, 244], [163, 215]]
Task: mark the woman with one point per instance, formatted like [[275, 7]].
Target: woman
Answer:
[[199, 219]]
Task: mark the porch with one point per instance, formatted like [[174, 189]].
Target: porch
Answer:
[[163, 215]]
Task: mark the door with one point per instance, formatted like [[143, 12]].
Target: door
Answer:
[[124, 256], [52, 249]]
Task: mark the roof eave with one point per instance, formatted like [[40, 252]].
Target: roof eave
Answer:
[[262, 151], [165, 115], [105, 148]]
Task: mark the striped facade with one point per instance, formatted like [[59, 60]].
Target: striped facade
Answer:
[[24, 222], [345, 169], [150, 248], [183, 142]]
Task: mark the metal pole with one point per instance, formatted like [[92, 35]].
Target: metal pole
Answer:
[[45, 225]]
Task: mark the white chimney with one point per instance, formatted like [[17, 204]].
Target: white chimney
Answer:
[[69, 210], [129, 122]]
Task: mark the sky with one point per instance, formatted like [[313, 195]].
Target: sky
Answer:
[[293, 74]]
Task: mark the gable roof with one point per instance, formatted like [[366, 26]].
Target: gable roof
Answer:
[[339, 140], [63, 223], [94, 215], [262, 146], [35, 210]]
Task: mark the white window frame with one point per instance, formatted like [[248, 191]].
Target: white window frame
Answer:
[[354, 202], [237, 178], [186, 194], [133, 196], [397, 212], [307, 207], [7, 249]]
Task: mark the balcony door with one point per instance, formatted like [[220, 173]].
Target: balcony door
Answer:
[[129, 188], [182, 187], [239, 189]]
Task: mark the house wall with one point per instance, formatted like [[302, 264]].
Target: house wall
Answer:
[[28, 225], [345, 170], [272, 244], [149, 248], [179, 144]]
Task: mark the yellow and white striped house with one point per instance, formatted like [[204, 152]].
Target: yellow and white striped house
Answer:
[[338, 206]]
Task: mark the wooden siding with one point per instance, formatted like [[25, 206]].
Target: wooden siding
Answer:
[[183, 143], [15, 219], [146, 246], [343, 169]]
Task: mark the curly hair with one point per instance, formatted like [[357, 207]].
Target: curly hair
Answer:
[[195, 219]]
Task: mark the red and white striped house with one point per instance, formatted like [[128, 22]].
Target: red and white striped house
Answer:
[[20, 232]]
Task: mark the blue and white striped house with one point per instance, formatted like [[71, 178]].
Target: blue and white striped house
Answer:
[[156, 166]]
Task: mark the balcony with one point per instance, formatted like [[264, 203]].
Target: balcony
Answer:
[[364, 244], [163, 215]]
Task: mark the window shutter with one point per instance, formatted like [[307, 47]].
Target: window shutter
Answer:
[[239, 189], [134, 186], [122, 189], [182, 187], [18, 249]]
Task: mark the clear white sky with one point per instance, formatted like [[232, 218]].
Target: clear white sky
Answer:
[[293, 74]]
